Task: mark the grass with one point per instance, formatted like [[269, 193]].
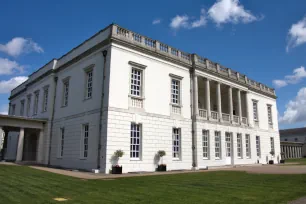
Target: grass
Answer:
[[21, 184], [301, 161]]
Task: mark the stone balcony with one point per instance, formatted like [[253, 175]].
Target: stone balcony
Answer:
[[226, 118]]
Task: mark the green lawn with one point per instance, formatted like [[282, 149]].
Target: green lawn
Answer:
[[301, 161], [20, 184]]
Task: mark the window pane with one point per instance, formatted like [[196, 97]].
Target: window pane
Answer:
[[135, 140], [176, 142]]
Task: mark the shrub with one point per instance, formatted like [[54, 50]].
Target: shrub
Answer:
[[161, 153], [119, 153]]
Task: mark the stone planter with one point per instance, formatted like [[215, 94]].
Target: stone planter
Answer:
[[117, 170], [282, 161], [161, 168], [271, 162]]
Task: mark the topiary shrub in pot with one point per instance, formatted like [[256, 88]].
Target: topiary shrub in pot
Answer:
[[117, 169], [161, 167], [272, 154]]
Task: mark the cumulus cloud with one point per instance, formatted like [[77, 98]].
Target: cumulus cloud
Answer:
[[7, 86], [295, 109], [297, 34], [296, 77], [19, 45], [8, 67], [230, 11], [184, 21], [156, 21], [4, 109]]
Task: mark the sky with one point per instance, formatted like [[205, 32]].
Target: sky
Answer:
[[266, 40]]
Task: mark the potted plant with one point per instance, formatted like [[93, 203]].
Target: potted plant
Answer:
[[282, 161], [272, 155], [117, 169], [161, 167]]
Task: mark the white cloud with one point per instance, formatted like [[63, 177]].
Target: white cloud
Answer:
[[230, 11], [4, 109], [184, 21], [8, 67], [297, 34], [296, 77], [295, 109], [156, 21], [19, 45], [7, 86]]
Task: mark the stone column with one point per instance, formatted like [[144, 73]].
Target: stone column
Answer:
[[40, 143], [219, 107], [207, 97], [230, 102], [20, 145], [239, 105], [291, 152], [247, 106], [195, 92]]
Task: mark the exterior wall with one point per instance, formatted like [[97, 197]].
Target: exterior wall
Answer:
[[292, 138]]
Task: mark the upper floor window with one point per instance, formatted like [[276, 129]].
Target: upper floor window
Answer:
[[89, 76], [45, 99], [21, 107], [135, 145], [13, 109], [176, 143], [29, 99], [255, 110], [296, 139], [65, 91], [175, 91], [269, 109], [136, 82], [36, 98]]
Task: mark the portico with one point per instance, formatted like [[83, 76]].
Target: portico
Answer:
[[29, 134]]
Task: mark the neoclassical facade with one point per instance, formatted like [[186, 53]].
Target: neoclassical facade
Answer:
[[122, 90]]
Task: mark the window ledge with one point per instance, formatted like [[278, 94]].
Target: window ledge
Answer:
[[83, 158], [138, 97], [176, 159], [205, 158], [86, 99], [63, 106], [135, 159], [176, 105]]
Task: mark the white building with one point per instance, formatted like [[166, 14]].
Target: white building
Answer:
[[122, 90]]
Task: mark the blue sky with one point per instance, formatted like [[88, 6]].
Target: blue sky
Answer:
[[264, 39]]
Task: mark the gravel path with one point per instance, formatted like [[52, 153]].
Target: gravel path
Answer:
[[301, 200]]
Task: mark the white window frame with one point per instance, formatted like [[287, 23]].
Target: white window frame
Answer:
[[258, 148], [45, 99], [29, 101], [61, 142], [239, 146], [65, 96], [89, 81], [176, 143], [255, 110], [229, 144], [136, 141], [36, 102], [248, 146], [218, 145], [205, 144], [22, 107], [135, 73], [85, 141], [269, 111], [175, 91]]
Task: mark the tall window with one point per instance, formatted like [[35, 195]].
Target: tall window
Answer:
[[135, 147], [85, 140], [61, 142], [175, 91], [228, 144], [239, 145], [255, 110], [269, 109], [217, 144], [205, 138], [66, 93], [21, 108], [13, 109], [136, 82], [36, 98], [45, 100], [272, 144], [247, 146], [176, 137], [89, 84], [29, 105], [258, 146]]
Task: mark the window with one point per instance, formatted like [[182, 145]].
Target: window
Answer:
[[175, 91], [136, 82], [287, 139], [13, 109], [61, 142], [21, 108], [217, 144], [135, 141], [255, 110], [85, 141], [66, 92], [272, 144], [89, 84], [247, 146], [176, 137], [296, 139], [239, 145], [36, 98], [269, 108], [258, 146], [205, 138], [45, 100], [29, 105], [228, 143]]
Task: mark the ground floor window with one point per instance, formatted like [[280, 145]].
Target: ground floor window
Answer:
[[272, 144], [85, 140], [239, 145], [176, 139], [217, 144], [135, 147], [228, 143], [258, 145], [205, 138], [247, 146], [61, 142]]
